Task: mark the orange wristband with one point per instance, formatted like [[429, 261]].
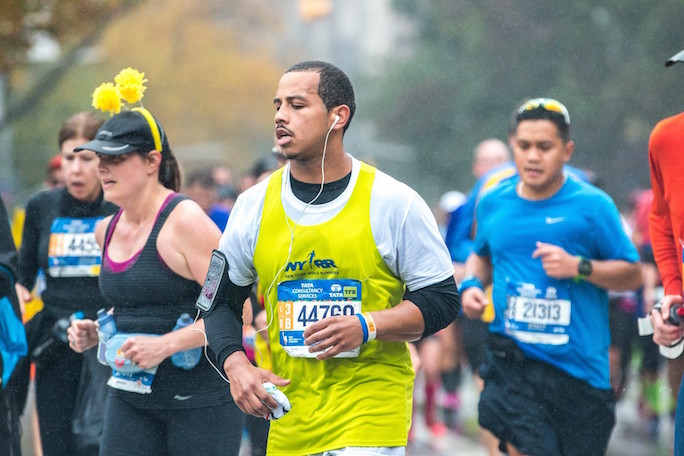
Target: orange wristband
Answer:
[[372, 330]]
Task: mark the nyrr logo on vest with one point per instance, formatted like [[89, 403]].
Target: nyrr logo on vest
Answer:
[[312, 265]]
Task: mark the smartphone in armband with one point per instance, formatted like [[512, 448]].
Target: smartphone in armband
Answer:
[[212, 283]]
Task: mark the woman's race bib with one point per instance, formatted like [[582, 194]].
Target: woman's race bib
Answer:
[[73, 251], [126, 375]]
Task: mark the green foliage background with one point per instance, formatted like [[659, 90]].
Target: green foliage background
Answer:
[[477, 60], [210, 81], [212, 70]]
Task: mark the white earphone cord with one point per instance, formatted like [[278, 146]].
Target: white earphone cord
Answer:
[[289, 254]]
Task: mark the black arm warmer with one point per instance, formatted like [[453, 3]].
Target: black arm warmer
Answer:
[[8, 255], [6, 281], [439, 303], [224, 322]]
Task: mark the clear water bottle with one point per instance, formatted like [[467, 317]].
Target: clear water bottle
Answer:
[[189, 358], [106, 331]]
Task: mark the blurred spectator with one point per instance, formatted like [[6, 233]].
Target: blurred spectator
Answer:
[[226, 196], [54, 177], [264, 167], [280, 157], [441, 355], [448, 203], [201, 187], [58, 238], [489, 154], [261, 169], [491, 164], [222, 175], [653, 401]]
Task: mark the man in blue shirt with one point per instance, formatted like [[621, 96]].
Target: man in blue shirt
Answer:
[[552, 246], [491, 164]]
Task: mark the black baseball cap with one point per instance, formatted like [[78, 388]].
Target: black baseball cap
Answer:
[[128, 131], [678, 57]]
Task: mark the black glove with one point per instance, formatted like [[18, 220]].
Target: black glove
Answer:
[[6, 281]]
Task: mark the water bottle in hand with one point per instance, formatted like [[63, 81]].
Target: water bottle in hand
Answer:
[[189, 358], [104, 333], [676, 317]]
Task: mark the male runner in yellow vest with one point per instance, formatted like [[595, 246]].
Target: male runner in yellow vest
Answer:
[[353, 267]]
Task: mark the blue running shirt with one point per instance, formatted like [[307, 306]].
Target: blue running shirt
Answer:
[[562, 322]]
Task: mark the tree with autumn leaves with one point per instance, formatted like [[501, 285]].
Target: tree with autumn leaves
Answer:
[[213, 69]]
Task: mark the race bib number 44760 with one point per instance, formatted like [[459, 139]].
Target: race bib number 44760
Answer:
[[304, 302]]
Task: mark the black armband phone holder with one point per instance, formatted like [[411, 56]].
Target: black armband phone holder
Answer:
[[216, 282], [218, 288]]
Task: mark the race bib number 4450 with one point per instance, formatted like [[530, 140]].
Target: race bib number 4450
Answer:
[[304, 302], [73, 251]]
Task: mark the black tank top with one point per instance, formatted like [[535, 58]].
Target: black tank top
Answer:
[[148, 297]]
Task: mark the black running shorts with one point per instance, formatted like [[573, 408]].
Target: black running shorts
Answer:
[[538, 408]]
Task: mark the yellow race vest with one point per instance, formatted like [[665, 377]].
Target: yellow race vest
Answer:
[[358, 401]]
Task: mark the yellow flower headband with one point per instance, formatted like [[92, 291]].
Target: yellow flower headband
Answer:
[[128, 87]]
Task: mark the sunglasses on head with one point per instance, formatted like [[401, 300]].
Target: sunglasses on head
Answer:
[[548, 104]]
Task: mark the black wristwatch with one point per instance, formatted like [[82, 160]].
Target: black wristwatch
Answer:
[[584, 268]]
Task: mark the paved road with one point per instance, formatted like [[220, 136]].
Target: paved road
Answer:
[[629, 438]]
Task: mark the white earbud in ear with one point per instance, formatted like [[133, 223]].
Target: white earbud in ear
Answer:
[[337, 119]]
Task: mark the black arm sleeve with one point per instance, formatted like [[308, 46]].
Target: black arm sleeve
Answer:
[[8, 262], [224, 324], [8, 254], [28, 252], [6, 280], [439, 303]]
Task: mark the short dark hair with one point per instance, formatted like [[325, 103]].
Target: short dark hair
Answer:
[[268, 163], [81, 125], [202, 177], [537, 111], [334, 87]]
